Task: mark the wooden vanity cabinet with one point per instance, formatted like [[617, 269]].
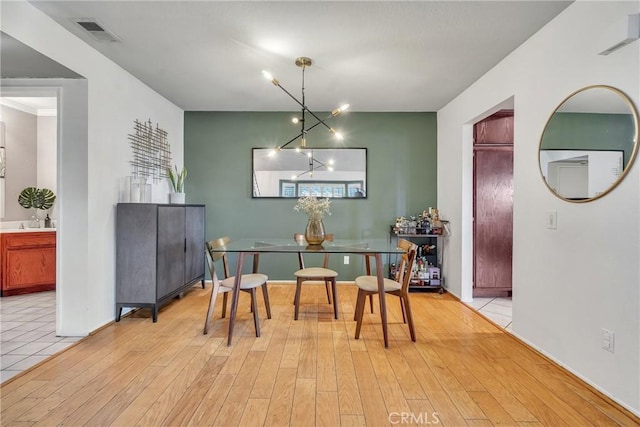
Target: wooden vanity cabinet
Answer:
[[28, 262]]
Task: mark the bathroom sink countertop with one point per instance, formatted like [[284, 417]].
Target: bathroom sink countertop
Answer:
[[26, 230]]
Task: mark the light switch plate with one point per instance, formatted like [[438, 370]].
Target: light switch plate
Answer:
[[608, 340], [552, 220]]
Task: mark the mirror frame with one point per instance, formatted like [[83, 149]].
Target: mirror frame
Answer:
[[625, 170], [363, 183]]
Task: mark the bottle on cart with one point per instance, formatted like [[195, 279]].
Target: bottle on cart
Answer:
[[392, 271]]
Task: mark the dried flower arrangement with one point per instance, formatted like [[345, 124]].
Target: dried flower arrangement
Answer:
[[313, 207]]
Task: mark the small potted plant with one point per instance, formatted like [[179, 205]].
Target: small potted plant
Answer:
[[177, 185], [36, 198]]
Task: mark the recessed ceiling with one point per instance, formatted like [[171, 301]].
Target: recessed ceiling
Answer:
[[377, 56]]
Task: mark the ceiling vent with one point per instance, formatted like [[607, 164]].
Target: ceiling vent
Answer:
[[96, 29]]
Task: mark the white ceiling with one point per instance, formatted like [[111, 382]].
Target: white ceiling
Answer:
[[39, 106], [377, 56]]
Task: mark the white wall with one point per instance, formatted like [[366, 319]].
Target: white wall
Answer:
[[47, 147], [570, 282], [21, 171], [115, 99]]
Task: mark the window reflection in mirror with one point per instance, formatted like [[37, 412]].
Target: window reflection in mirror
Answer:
[[320, 172], [589, 143]]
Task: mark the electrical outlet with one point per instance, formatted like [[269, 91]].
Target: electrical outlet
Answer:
[[608, 340], [552, 220], [346, 259]]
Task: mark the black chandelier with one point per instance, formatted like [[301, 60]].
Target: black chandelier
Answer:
[[304, 62]]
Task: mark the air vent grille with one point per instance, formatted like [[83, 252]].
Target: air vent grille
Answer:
[[96, 29]]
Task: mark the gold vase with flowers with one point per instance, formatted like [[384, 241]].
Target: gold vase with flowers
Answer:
[[315, 209]]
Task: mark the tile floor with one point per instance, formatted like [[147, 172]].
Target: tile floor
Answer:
[[28, 332], [498, 310]]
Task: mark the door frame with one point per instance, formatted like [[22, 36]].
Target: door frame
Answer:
[[466, 216]]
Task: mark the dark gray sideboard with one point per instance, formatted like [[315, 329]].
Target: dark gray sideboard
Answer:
[[159, 253]]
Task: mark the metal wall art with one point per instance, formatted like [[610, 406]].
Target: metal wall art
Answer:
[[151, 151]]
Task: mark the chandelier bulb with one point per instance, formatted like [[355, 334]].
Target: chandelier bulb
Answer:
[[295, 120], [269, 77], [339, 110], [303, 142], [337, 135]]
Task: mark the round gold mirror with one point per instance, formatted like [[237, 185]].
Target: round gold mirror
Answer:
[[589, 143]]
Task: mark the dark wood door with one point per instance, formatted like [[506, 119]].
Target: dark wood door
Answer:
[[493, 220]]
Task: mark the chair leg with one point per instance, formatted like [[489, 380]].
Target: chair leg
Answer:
[[326, 285], [267, 305], [359, 311], [295, 296], [335, 297], [355, 312], [212, 303], [224, 305], [364, 297], [404, 315], [254, 308], [297, 299], [407, 307]]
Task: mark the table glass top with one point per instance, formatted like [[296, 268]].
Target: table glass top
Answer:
[[294, 246]]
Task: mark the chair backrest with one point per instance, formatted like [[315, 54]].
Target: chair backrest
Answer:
[[212, 256], [299, 238], [406, 264]]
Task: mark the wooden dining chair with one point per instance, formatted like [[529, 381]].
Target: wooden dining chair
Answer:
[[323, 273], [248, 283], [368, 285], [367, 263]]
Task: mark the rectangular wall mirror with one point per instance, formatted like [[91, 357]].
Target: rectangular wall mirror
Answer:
[[320, 172]]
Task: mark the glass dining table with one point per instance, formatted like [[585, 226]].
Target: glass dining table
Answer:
[[257, 246]]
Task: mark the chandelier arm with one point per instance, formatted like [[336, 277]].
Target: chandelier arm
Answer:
[[304, 107], [302, 173], [291, 140], [320, 121], [321, 165]]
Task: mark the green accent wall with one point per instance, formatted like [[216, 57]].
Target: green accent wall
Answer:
[[590, 131], [401, 178]]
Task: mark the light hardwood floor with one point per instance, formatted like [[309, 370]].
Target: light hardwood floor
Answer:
[[463, 371]]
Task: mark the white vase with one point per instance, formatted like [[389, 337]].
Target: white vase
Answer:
[[177, 198]]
